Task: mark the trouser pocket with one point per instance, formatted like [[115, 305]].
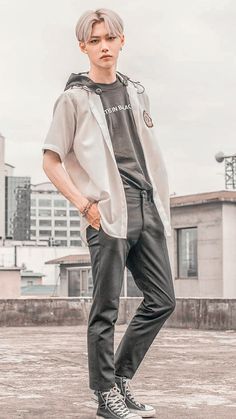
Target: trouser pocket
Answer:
[[92, 233]]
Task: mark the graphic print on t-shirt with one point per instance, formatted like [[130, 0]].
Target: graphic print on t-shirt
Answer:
[[118, 108]]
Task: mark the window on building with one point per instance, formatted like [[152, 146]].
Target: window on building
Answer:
[[46, 223], [45, 203], [62, 242], [74, 213], [187, 252], [33, 232], [60, 233], [60, 223], [33, 212], [79, 283], [45, 232], [45, 213], [75, 243], [60, 203], [74, 233], [60, 213], [74, 223], [33, 222]]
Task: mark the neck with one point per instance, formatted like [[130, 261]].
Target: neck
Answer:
[[101, 75]]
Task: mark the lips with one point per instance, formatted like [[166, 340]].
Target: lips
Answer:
[[106, 56]]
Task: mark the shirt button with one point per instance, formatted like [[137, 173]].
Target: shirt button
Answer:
[[98, 91]]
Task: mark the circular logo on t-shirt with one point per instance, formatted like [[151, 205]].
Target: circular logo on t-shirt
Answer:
[[147, 119]]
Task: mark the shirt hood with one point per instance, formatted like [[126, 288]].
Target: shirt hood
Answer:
[[84, 82]]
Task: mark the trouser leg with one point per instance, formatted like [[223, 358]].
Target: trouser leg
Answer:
[[108, 258], [149, 263]]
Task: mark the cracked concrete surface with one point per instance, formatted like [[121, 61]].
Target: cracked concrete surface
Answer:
[[185, 374]]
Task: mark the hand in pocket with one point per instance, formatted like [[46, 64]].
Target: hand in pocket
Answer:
[[93, 216]]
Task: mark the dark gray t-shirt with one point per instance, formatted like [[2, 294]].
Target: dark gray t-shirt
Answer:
[[124, 136]]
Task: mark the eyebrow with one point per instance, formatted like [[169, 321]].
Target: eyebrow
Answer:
[[94, 36]]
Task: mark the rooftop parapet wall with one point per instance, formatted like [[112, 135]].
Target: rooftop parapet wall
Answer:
[[194, 313]]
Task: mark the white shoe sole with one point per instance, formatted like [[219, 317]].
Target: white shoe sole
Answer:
[[134, 417], [149, 414]]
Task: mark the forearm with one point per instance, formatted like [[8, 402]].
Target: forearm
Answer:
[[62, 181]]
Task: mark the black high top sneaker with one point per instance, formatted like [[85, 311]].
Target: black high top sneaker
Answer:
[[111, 405], [143, 410]]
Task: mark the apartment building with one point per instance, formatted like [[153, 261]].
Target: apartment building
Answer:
[[53, 217]]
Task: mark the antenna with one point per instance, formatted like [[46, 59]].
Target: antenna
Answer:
[[230, 168]]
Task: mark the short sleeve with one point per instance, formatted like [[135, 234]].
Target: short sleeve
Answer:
[[61, 132]]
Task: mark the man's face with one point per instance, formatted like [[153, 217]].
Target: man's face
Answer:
[[102, 49]]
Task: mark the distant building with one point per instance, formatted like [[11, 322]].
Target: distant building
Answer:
[[203, 244], [53, 217], [17, 207], [14, 201], [32, 285], [76, 276], [29, 278]]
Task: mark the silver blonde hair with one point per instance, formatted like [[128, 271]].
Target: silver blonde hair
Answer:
[[111, 19]]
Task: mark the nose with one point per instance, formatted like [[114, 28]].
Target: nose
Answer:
[[104, 46]]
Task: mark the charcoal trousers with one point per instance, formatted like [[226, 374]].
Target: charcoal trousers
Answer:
[[145, 253]]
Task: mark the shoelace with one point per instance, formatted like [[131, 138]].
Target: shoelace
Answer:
[[129, 392], [115, 400]]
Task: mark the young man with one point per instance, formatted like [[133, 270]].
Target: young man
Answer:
[[115, 175]]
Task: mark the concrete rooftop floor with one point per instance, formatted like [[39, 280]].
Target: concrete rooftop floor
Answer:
[[185, 374]]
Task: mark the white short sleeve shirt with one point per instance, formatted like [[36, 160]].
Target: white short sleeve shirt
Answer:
[[79, 134]]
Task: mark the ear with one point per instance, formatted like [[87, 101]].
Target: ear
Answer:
[[122, 38], [82, 46]]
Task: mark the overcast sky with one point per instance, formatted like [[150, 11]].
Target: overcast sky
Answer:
[[184, 52]]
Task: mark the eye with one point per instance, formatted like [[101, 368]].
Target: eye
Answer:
[[93, 41]]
